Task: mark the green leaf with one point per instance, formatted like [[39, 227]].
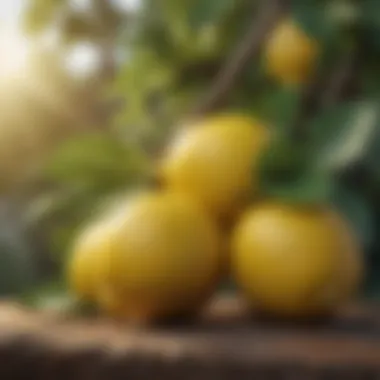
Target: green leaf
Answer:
[[287, 172], [369, 19], [308, 188], [53, 296], [356, 208], [62, 204], [370, 14], [279, 107], [205, 12], [344, 13], [97, 160], [342, 134], [313, 18], [52, 286], [370, 81]]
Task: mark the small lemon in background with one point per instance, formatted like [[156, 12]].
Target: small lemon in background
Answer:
[[290, 54]]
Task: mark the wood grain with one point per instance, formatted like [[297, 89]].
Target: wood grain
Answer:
[[225, 343]]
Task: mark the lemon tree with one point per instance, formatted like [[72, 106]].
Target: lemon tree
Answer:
[[305, 72]]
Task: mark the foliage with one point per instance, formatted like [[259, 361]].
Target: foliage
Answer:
[[100, 21], [86, 173], [18, 259]]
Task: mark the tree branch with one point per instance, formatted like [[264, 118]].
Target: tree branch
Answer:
[[269, 14], [340, 83], [327, 90]]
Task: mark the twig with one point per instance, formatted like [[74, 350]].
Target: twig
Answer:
[[271, 11], [339, 85], [325, 91], [309, 103]]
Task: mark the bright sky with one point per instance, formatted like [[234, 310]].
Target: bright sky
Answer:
[[83, 57], [10, 11]]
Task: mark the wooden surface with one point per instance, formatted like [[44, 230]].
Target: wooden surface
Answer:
[[225, 344]]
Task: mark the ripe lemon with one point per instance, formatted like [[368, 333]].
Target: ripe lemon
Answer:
[[162, 258], [290, 54], [213, 161], [294, 261], [89, 264]]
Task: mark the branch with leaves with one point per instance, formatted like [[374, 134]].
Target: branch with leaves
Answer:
[[249, 47]]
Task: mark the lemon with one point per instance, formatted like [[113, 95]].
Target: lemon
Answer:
[[213, 161], [290, 54], [89, 263], [294, 261], [158, 256], [167, 259]]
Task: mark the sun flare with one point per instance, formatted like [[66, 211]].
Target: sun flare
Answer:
[[14, 53]]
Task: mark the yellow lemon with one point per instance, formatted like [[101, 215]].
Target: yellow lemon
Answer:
[[290, 54], [293, 261], [213, 161], [89, 264], [164, 258]]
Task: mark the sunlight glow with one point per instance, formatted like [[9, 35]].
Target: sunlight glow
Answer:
[[83, 59], [124, 5], [14, 53]]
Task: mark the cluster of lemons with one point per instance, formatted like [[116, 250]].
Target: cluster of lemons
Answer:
[[163, 252]]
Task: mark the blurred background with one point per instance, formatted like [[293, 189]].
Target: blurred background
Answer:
[[90, 91]]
